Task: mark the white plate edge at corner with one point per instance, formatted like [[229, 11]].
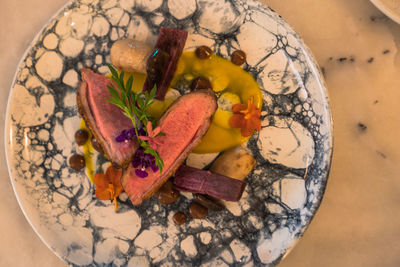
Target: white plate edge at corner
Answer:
[[386, 10]]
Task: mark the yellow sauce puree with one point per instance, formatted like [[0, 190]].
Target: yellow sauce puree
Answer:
[[231, 83], [88, 153]]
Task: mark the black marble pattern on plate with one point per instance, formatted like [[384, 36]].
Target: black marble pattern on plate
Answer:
[[293, 150]]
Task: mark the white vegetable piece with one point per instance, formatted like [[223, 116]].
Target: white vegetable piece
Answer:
[[130, 55], [235, 163]]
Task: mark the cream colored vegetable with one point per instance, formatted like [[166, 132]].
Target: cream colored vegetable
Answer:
[[235, 163], [130, 55]]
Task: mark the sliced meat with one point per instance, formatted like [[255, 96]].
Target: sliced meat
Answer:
[[184, 124], [105, 120], [205, 182], [171, 41]]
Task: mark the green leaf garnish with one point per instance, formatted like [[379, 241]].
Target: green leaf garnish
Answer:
[[134, 106]]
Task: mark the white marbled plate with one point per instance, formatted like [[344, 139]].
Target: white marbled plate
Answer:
[[293, 149], [390, 8]]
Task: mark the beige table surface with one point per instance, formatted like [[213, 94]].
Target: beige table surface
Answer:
[[358, 223]]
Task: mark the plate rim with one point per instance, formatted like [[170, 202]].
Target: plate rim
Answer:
[[7, 124], [386, 10], [315, 69]]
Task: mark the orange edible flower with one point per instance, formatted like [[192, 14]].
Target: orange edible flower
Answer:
[[108, 185], [152, 136], [246, 117]]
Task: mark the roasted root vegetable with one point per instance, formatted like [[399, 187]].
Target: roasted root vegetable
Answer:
[[204, 182], [130, 55], [170, 41], [235, 163]]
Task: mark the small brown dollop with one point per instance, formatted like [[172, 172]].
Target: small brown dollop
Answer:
[[179, 218], [203, 52], [238, 57], [97, 146], [200, 82], [208, 202], [77, 162], [81, 136], [167, 194], [197, 210]]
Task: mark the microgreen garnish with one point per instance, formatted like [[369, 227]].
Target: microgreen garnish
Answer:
[[134, 106]]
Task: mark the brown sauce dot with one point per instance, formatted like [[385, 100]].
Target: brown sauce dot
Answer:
[[81, 136], [208, 202], [97, 146], [167, 194], [200, 82], [203, 52], [238, 57], [77, 162], [179, 218], [197, 210]]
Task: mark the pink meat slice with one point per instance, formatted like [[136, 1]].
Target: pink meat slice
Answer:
[[184, 123], [104, 119]]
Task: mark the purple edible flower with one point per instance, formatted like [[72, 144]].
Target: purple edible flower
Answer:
[[140, 173], [142, 161], [126, 135], [141, 131]]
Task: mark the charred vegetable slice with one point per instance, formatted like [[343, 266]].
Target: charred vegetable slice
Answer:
[[156, 65], [172, 42], [204, 182]]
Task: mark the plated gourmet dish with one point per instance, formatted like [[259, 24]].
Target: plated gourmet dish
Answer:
[[287, 159], [218, 111]]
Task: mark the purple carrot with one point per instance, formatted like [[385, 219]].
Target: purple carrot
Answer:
[[204, 182], [171, 41]]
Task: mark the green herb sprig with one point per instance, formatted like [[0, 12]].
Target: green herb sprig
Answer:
[[134, 106]]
